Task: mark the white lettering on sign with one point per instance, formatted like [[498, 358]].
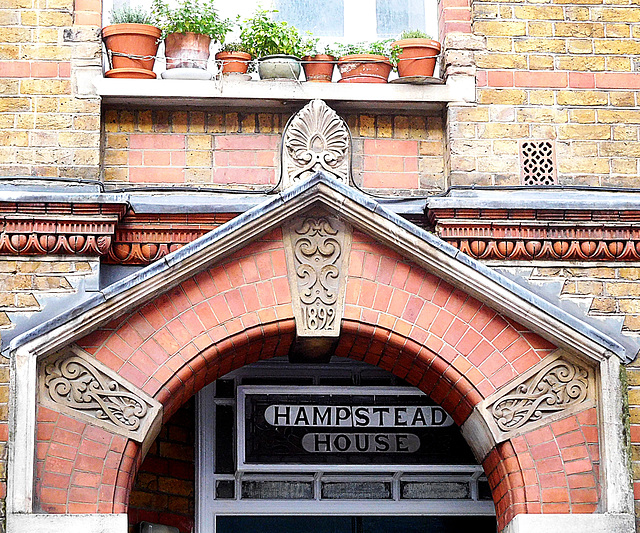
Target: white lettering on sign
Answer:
[[356, 416], [361, 442]]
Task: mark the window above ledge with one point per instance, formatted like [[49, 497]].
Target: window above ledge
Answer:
[[284, 95]]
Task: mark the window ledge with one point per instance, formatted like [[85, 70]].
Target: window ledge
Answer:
[[286, 94]]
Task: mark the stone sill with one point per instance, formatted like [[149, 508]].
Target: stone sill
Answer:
[[286, 95]]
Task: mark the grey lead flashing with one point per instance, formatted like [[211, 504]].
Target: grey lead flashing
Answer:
[[253, 215], [535, 198], [167, 201]]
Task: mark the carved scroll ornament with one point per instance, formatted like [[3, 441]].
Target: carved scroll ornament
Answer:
[[74, 385], [555, 389], [316, 139], [317, 252]]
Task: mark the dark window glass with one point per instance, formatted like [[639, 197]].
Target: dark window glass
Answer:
[[224, 440], [355, 524], [225, 388], [484, 490], [225, 489]]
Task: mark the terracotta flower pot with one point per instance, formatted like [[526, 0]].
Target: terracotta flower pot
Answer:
[[364, 68], [187, 50], [418, 57], [135, 40], [234, 62], [318, 68]]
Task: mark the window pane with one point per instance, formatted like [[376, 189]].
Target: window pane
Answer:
[[277, 490], [356, 490], [323, 19], [225, 421], [434, 490], [395, 16]]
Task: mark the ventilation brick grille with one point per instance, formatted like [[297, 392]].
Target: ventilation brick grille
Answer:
[[538, 163]]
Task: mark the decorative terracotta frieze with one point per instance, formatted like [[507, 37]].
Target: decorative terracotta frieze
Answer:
[[104, 230], [73, 229], [525, 235], [143, 239]]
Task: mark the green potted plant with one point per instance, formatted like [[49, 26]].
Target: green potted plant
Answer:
[[132, 43], [277, 45], [233, 58], [318, 65], [365, 62], [415, 54], [189, 29]]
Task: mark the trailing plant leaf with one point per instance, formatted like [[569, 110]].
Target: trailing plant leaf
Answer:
[[381, 48], [414, 34], [327, 49], [263, 36], [131, 15], [197, 16], [234, 47]]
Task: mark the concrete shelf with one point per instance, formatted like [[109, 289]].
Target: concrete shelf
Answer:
[[256, 94]]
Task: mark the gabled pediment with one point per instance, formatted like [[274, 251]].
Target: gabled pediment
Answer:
[[364, 214]]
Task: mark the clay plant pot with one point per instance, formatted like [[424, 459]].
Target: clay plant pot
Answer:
[[279, 67], [318, 68], [418, 57], [234, 62], [139, 40], [187, 50], [364, 68]]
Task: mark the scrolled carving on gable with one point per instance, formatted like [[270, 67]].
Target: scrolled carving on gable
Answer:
[[75, 383], [554, 388], [317, 250], [316, 139]]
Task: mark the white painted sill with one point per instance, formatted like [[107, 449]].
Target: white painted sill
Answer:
[[283, 94]]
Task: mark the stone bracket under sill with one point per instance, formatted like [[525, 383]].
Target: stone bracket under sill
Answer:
[[285, 95]]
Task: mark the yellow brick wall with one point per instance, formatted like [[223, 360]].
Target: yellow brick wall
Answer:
[[565, 71], [49, 126], [25, 281], [197, 132]]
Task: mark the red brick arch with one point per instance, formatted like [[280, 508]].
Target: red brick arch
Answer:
[[397, 316]]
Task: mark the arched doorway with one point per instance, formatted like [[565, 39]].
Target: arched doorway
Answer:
[[412, 306], [395, 460]]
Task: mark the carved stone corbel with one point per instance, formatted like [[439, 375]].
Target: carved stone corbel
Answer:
[[315, 139], [73, 382], [556, 387], [317, 247]]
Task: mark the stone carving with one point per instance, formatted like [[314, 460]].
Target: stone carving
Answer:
[[316, 139], [72, 384], [556, 387], [317, 253], [78, 385], [553, 391]]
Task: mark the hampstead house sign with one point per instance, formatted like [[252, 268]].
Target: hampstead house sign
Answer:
[[318, 426]]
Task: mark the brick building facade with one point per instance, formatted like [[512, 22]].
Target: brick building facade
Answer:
[[491, 233]]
